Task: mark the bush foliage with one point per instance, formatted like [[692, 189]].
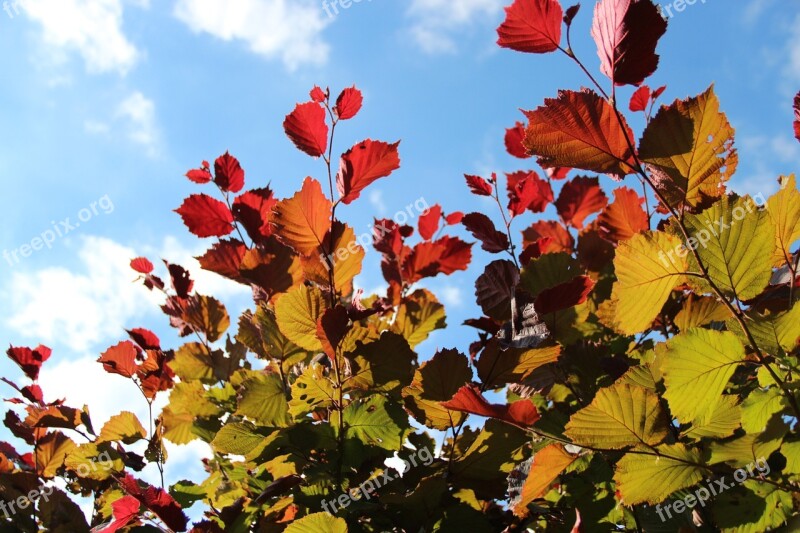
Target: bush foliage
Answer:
[[646, 344]]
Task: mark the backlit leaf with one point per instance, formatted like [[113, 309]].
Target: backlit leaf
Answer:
[[579, 198], [469, 399], [297, 313], [784, 210], [532, 26], [304, 219], [262, 399], [124, 427], [307, 129], [719, 422], [206, 216], [318, 523], [375, 421], [619, 416], [364, 163], [580, 130], [228, 173], [348, 104], [648, 479], [624, 217], [548, 464], [483, 229]]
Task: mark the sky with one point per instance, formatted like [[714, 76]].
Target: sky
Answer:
[[107, 103]]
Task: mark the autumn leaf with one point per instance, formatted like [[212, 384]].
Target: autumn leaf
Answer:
[[306, 128], [158, 501], [495, 288], [297, 313], [120, 359], [797, 116], [560, 238], [224, 258], [483, 229], [527, 191], [469, 399], [228, 173], [304, 219], [364, 163], [580, 130], [479, 186], [253, 210], [690, 144], [142, 265], [624, 217], [564, 295], [29, 360], [640, 99], [784, 210], [532, 26], [513, 141], [548, 464], [652, 478], [348, 104], [580, 198], [627, 33], [429, 222], [206, 216]]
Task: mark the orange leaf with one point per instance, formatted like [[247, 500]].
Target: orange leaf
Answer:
[[469, 399], [580, 198], [305, 218], [364, 163], [561, 240], [624, 218], [580, 130], [548, 464]]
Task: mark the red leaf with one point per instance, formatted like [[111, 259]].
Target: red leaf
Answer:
[[142, 265], [228, 173], [531, 26], [307, 129], [623, 218], [627, 33], [429, 222], [514, 137], [430, 258], [33, 393], [561, 241], [120, 359], [454, 218], [580, 198], [349, 103], [180, 279], [495, 288], [469, 399], [125, 510], [364, 163], [332, 327], [640, 99], [146, 339], [564, 296], [483, 229], [206, 216], [580, 130], [797, 117], [536, 250], [526, 190], [30, 361], [318, 95], [558, 173], [253, 209], [200, 175], [479, 186], [158, 501], [571, 13], [658, 92], [224, 258]]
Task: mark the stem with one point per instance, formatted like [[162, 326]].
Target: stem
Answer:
[[330, 251], [792, 283], [507, 223]]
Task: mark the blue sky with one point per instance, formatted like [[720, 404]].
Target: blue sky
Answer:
[[116, 99]]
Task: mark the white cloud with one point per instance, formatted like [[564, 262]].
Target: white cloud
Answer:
[[435, 21], [92, 28], [287, 29], [139, 114], [452, 295], [86, 310], [376, 199]]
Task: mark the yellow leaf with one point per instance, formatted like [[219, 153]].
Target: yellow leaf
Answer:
[[297, 313], [51, 452], [647, 269], [497, 367], [208, 315], [318, 523], [690, 144], [619, 416], [311, 390], [699, 311], [720, 422], [644, 478], [123, 427], [418, 316], [784, 210]]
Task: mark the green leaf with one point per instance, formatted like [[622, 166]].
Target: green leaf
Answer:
[[736, 241], [260, 333], [759, 407], [752, 508], [124, 427], [619, 416], [386, 364], [312, 390], [751, 447], [318, 523], [774, 333], [651, 479], [436, 381], [297, 313], [548, 271], [262, 399], [89, 462], [697, 367], [236, 439], [192, 363], [375, 420], [791, 451], [720, 422], [647, 270]]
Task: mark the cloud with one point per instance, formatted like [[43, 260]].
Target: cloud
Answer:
[[92, 28], [286, 29], [376, 199], [435, 21], [139, 114], [86, 310]]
